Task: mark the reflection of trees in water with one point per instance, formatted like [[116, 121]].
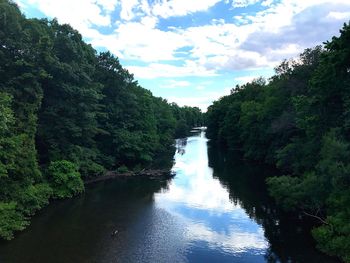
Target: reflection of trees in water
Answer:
[[181, 145], [164, 160], [138, 188], [288, 234]]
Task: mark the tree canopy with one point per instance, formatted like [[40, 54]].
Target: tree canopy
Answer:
[[67, 113]]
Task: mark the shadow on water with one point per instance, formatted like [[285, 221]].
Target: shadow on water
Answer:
[[288, 234], [79, 229]]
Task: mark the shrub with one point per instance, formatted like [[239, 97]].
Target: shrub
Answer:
[[122, 169], [65, 179], [11, 220]]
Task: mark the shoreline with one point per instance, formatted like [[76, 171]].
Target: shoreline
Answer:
[[162, 174]]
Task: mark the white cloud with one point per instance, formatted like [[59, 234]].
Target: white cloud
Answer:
[[245, 79], [142, 41], [241, 20], [339, 15], [267, 3], [286, 28], [169, 8], [255, 41], [79, 13], [108, 5], [203, 99], [159, 70], [127, 9], [237, 60], [173, 84], [250, 41], [244, 3]]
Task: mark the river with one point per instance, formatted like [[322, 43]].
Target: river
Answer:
[[215, 209]]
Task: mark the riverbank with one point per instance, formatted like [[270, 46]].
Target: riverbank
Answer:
[[216, 209], [161, 174]]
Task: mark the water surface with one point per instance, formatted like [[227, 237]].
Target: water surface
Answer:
[[214, 210]]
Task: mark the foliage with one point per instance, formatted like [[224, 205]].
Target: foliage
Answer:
[[333, 237], [299, 121], [122, 169], [8, 143], [65, 179], [10, 220], [186, 118], [60, 100], [33, 198]]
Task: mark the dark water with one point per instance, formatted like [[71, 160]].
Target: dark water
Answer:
[[214, 210]]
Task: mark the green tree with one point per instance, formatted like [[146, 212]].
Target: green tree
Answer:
[[71, 102], [65, 179], [10, 220]]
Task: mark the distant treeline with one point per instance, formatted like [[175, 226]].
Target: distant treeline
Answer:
[[299, 120], [68, 112]]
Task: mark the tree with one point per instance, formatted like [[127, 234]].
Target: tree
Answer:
[[64, 179]]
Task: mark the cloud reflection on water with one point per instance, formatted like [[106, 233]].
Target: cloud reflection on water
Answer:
[[200, 201]]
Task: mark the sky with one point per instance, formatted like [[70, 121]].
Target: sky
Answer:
[[192, 52]]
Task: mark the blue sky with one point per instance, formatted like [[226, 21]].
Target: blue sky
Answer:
[[194, 51]]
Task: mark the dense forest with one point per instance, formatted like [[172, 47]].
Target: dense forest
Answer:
[[68, 113], [299, 121]]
